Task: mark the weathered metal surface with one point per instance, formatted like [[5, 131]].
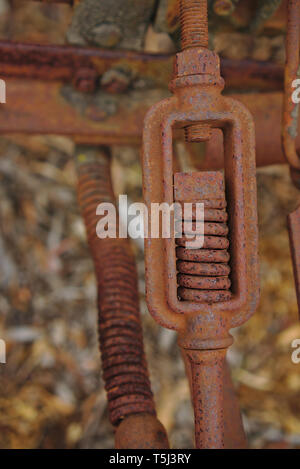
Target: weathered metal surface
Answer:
[[198, 280], [203, 326], [65, 63], [53, 109], [264, 76], [49, 112], [234, 434], [292, 72], [194, 33], [235, 437], [141, 431], [294, 234], [266, 110], [207, 383], [120, 332]]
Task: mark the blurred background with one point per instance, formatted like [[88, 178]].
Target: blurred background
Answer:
[[51, 393]]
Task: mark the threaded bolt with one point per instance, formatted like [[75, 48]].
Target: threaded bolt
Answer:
[[194, 24], [197, 133], [194, 33]]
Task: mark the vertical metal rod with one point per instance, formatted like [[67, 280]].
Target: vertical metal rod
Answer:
[[292, 72], [294, 233], [194, 24], [234, 437], [207, 368]]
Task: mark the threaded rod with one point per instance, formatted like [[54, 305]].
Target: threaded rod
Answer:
[[194, 24]]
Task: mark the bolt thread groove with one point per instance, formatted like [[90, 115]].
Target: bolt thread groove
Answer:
[[194, 24]]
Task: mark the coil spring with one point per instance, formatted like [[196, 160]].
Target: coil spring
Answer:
[[120, 332], [204, 273]]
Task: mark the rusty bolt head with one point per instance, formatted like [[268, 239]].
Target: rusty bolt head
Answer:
[[196, 61], [85, 80], [197, 133]]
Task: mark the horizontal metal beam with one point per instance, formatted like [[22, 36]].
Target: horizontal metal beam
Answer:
[[66, 64], [35, 107]]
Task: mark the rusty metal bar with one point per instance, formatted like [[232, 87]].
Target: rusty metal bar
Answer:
[[63, 63], [292, 72], [50, 111], [294, 235], [234, 434], [53, 62], [207, 369]]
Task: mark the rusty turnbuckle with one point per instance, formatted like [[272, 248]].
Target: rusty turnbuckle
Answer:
[[202, 293]]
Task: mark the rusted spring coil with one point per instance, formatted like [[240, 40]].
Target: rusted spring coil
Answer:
[[204, 273], [120, 333]]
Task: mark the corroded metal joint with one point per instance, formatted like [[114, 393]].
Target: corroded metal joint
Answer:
[[196, 67]]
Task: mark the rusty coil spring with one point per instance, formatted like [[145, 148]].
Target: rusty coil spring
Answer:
[[204, 273], [120, 332]]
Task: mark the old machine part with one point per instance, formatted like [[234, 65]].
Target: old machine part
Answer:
[[202, 293]]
